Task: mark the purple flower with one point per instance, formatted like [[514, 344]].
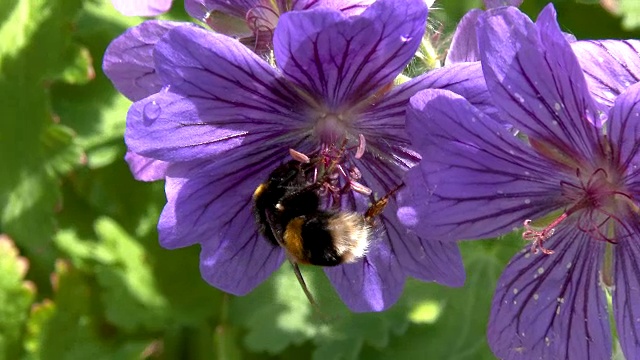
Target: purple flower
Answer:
[[253, 21], [142, 7], [128, 62], [621, 71], [570, 176], [225, 118], [605, 82], [464, 44]]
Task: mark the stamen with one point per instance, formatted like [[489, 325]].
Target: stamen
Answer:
[[362, 145], [331, 157], [356, 186], [257, 18], [334, 173], [539, 237], [298, 156]]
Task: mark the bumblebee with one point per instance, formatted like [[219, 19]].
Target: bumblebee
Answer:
[[289, 214]]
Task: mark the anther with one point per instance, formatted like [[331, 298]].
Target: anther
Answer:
[[298, 156], [362, 145], [356, 186]]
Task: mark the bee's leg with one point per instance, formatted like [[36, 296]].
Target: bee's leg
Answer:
[[378, 207], [296, 270]]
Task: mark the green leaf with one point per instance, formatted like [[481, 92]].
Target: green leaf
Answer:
[[276, 314], [62, 153], [340, 349], [16, 297], [129, 291], [35, 38], [112, 191], [131, 296], [226, 335], [449, 322], [80, 69], [135, 206], [69, 328], [41, 314], [204, 301], [95, 110], [630, 11], [140, 287], [453, 322]]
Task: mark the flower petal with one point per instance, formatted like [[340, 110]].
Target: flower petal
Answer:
[[537, 82], [371, 284], [200, 9], [464, 44], [383, 124], [343, 60], [204, 198], [610, 66], [128, 61], [489, 4], [464, 79], [626, 307], [347, 7], [165, 126], [432, 260], [425, 260], [227, 97], [239, 258], [551, 306], [142, 7], [476, 179], [623, 129], [144, 168], [224, 17]]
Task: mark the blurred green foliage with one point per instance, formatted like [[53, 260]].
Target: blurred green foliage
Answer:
[[81, 273]]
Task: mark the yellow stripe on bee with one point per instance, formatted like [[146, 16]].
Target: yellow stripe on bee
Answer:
[[259, 190], [293, 240]]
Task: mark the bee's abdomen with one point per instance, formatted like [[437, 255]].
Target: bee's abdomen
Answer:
[[318, 241], [327, 238]]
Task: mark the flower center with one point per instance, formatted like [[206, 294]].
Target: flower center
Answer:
[[597, 201], [334, 171], [330, 128]]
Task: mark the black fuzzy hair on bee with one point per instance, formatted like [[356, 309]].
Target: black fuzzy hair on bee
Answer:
[[288, 214]]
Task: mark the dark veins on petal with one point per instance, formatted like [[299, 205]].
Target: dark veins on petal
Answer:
[[468, 161], [612, 84], [552, 305], [565, 127]]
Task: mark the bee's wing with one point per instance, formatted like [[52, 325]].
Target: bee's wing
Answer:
[[277, 231]]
